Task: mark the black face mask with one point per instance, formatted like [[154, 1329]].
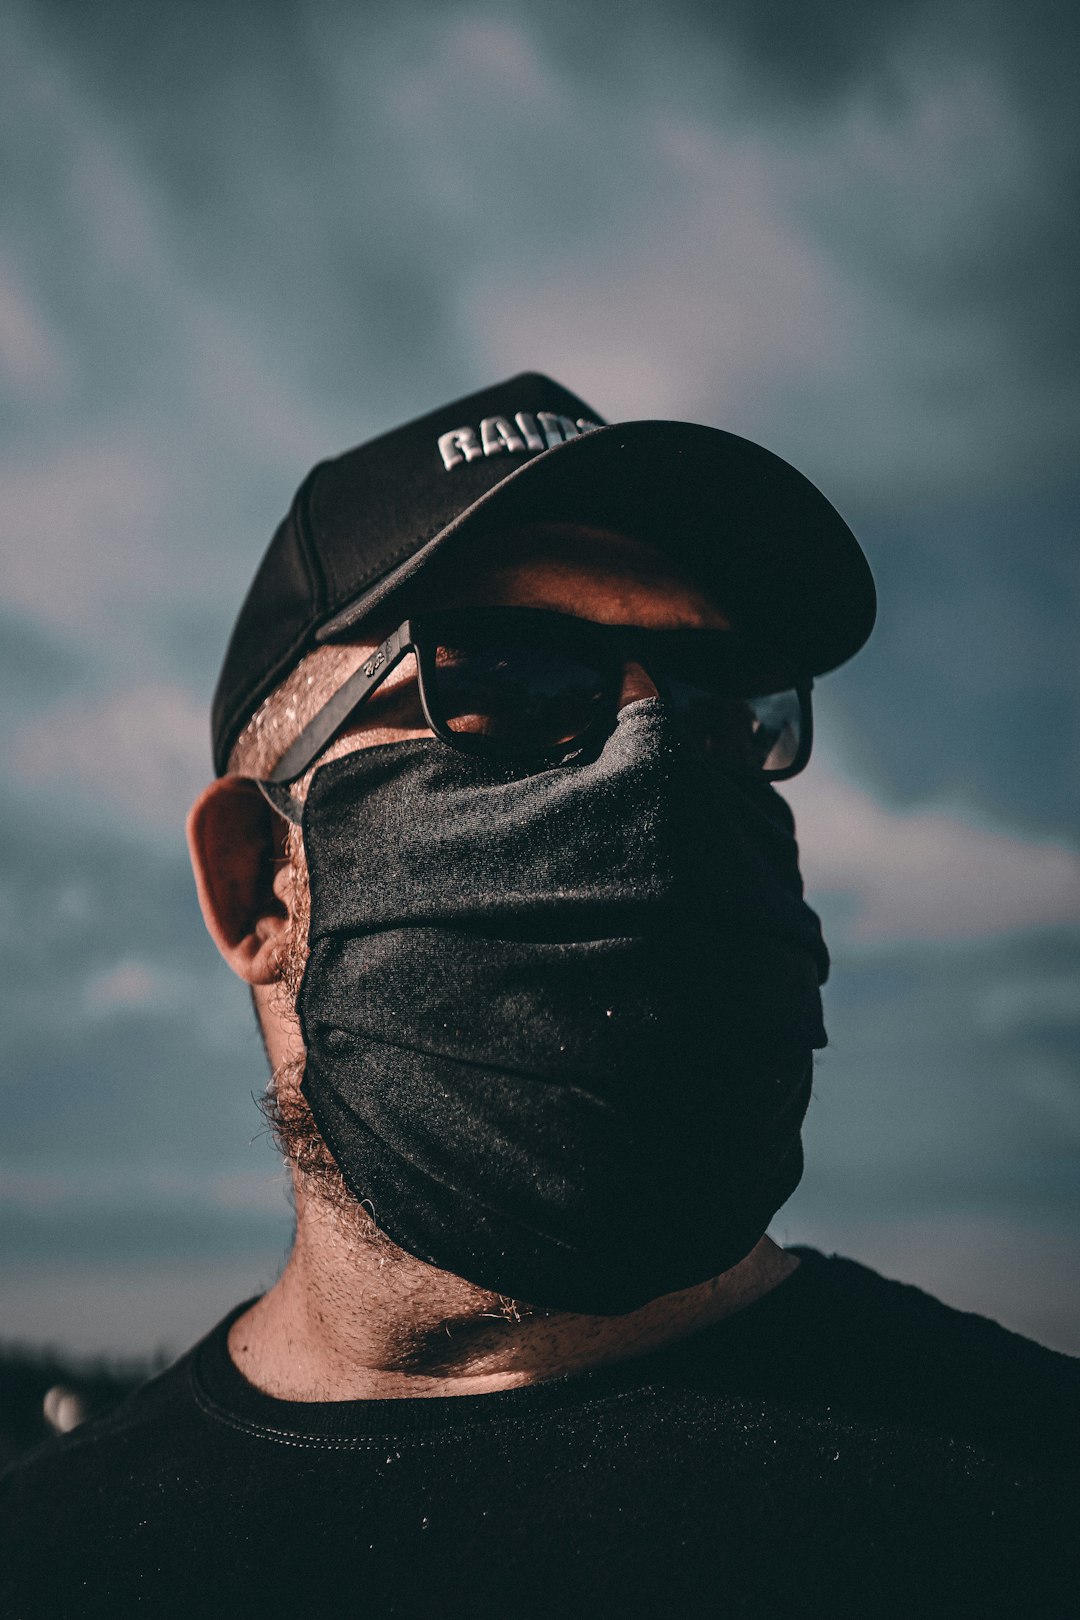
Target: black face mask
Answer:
[[559, 1025]]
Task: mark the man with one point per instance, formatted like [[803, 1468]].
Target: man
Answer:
[[496, 842]]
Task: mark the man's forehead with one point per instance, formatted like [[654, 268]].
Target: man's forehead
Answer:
[[573, 567], [568, 544], [475, 572]]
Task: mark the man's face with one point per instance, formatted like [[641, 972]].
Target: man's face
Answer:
[[563, 568]]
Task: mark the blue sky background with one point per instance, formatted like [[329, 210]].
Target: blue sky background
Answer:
[[240, 237]]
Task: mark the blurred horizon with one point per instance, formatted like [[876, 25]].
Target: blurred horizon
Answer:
[[238, 241]]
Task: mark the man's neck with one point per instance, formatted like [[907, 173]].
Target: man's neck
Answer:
[[354, 1318]]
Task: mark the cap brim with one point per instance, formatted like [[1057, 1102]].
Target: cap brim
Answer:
[[775, 554]]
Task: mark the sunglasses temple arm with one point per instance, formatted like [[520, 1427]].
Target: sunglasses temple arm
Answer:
[[330, 719], [280, 799]]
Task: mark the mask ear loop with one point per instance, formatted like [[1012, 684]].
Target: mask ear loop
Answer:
[[279, 797]]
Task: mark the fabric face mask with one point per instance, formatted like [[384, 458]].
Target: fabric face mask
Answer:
[[559, 1025]]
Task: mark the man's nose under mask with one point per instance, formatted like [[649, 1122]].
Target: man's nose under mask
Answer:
[[559, 1025]]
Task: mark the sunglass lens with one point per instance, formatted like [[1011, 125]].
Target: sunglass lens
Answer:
[[748, 733], [776, 721], [526, 698]]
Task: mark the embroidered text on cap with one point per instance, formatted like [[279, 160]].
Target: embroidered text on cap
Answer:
[[498, 434]]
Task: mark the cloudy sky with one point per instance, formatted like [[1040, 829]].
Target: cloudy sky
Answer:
[[238, 238]]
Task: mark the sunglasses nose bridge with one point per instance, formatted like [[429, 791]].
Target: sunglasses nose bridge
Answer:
[[635, 683]]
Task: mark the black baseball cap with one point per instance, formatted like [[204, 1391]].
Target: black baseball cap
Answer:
[[779, 558]]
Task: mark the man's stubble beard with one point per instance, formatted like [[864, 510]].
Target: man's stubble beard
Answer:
[[283, 1104]]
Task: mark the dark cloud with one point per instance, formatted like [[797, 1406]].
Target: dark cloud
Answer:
[[970, 687], [35, 667], [129, 1045], [230, 158], [973, 1101], [819, 52], [91, 1238]]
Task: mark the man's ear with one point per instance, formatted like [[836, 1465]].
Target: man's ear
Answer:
[[237, 843]]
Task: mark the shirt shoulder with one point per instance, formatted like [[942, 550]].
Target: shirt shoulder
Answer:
[[839, 1336]]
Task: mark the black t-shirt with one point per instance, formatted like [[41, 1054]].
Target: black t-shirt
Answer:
[[846, 1446]]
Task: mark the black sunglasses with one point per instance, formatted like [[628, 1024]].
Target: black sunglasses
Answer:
[[524, 684]]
